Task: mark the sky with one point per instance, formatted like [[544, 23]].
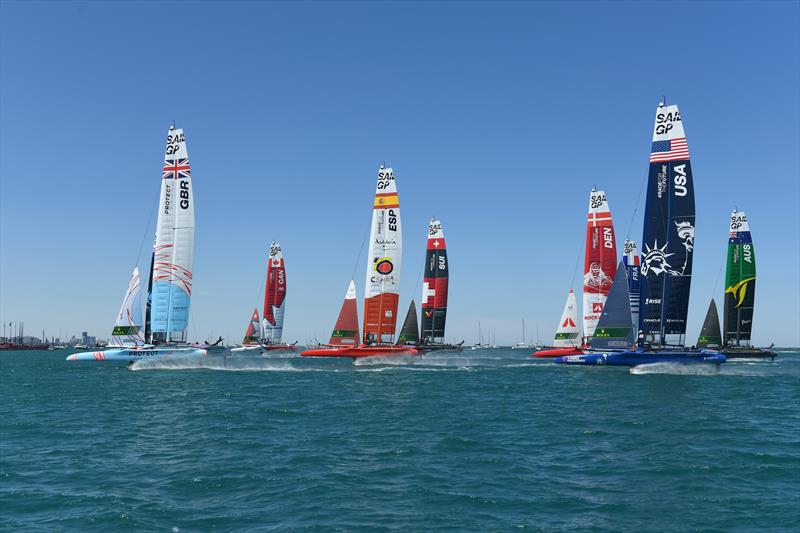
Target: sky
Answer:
[[498, 118]]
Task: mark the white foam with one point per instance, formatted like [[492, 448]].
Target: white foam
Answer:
[[676, 368]]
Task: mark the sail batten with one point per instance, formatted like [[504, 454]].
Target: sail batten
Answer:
[[740, 282], [600, 260], [435, 285]]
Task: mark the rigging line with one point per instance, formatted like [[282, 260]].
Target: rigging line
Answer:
[[361, 249], [146, 231], [575, 270], [716, 283], [636, 207], [194, 329]]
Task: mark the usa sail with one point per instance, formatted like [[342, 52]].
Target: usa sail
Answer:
[[435, 285], [383, 262], [710, 335], [409, 333], [274, 296], [615, 327], [668, 235], [345, 331], [600, 263], [568, 334], [174, 245], [128, 327], [631, 261], [253, 333], [740, 282]]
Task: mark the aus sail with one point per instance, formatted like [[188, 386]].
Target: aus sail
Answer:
[[740, 282], [383, 262], [435, 285], [274, 296], [668, 235], [173, 250], [600, 260]]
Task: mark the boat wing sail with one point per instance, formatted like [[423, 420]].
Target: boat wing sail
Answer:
[[409, 333], [600, 263], [345, 331], [740, 282], [710, 335], [435, 285], [615, 327], [631, 260], [568, 334], [274, 296], [668, 234], [383, 263], [173, 250], [128, 327], [253, 334]]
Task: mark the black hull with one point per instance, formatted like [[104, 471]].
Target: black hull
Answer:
[[441, 348], [745, 352]]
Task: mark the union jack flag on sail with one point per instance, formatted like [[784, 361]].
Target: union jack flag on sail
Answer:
[[177, 168], [672, 150]]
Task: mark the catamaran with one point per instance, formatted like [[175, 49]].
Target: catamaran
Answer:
[[710, 334], [382, 278], [266, 335], [740, 292], [666, 265], [170, 282], [568, 334]]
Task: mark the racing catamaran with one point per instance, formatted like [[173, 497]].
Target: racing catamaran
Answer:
[[170, 281]]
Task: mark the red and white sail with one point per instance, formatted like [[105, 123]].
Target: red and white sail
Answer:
[[274, 296], [345, 331], [253, 334], [383, 262], [568, 333], [600, 260]]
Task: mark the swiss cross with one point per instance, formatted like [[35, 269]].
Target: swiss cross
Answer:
[[436, 243]]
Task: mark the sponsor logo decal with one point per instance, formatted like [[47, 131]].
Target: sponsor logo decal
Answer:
[[739, 291], [596, 278], [383, 265]]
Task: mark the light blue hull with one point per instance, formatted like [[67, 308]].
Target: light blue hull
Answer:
[[136, 354], [640, 357]]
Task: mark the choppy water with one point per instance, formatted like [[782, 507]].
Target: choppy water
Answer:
[[487, 440]]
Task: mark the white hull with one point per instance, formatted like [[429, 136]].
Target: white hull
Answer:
[[135, 354]]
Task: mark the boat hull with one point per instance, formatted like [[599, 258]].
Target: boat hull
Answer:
[[356, 352], [439, 348], [643, 358], [135, 354], [266, 348], [743, 352], [558, 352]]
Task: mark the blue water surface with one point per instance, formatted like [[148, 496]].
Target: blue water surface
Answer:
[[479, 441]]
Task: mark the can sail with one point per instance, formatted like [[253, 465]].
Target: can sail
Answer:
[[435, 286], [568, 334], [631, 260], [409, 333], [740, 282], [274, 296], [173, 250], [383, 262], [668, 235], [615, 327], [253, 334], [710, 335], [600, 260], [127, 328], [345, 331]]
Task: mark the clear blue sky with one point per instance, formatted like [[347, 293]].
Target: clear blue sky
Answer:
[[497, 118]]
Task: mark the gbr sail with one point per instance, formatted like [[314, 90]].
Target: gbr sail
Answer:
[[435, 285], [383, 262], [128, 327], [173, 251], [568, 333], [600, 260], [740, 282], [345, 331], [274, 296], [668, 235], [630, 258]]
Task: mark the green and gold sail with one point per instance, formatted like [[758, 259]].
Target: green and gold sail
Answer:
[[740, 282]]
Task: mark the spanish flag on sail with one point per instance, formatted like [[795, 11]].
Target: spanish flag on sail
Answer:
[[386, 200]]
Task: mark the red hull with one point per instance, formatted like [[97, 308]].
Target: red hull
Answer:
[[558, 352], [360, 351]]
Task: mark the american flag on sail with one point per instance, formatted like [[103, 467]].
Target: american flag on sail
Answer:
[[671, 150], [177, 168]]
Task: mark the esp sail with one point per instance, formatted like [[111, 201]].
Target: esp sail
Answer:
[[173, 251], [600, 263], [435, 285], [274, 296], [253, 333], [409, 333], [345, 331], [710, 335], [740, 282], [127, 328], [668, 235], [568, 334], [615, 327], [383, 262], [631, 260]]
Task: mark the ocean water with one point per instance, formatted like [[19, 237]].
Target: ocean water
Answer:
[[479, 441]]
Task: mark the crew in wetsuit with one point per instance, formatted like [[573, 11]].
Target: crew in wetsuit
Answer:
[[640, 340]]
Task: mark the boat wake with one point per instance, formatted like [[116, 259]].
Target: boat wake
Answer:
[[676, 369], [394, 360], [226, 364]]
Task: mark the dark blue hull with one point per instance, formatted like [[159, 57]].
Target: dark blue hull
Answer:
[[702, 357]]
